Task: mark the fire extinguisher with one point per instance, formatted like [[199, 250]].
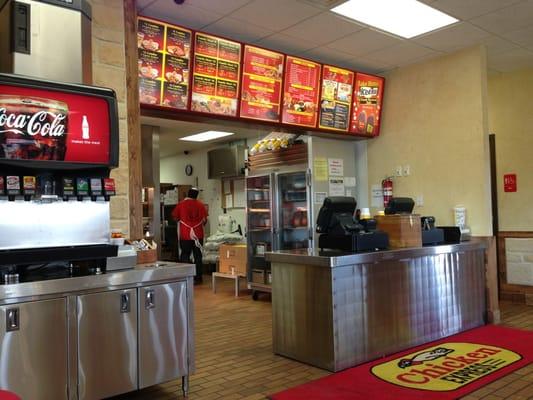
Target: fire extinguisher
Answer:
[[386, 187]]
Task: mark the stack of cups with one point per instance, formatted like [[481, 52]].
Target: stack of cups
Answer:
[[460, 216]]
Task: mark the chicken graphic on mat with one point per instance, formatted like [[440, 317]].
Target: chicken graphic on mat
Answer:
[[421, 358]]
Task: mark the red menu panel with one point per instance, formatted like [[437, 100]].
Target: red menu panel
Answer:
[[216, 75], [261, 84], [164, 63], [367, 102], [300, 92], [336, 98], [38, 124]]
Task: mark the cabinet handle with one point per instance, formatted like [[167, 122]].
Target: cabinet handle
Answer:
[[125, 303], [12, 319], [150, 299]]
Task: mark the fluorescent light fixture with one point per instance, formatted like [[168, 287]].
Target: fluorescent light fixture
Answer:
[[405, 18], [205, 136]]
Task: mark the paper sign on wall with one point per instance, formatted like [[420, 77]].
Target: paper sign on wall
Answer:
[[376, 196], [321, 169], [320, 197], [335, 167], [336, 186], [349, 181]]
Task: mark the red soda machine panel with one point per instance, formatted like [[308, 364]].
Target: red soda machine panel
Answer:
[[57, 125]]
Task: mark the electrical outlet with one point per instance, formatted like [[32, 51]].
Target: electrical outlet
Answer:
[[419, 200], [406, 170], [398, 171]]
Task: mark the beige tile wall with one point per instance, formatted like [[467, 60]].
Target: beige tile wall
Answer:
[[109, 71], [519, 257]]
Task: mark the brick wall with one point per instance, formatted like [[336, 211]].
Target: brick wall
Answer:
[[519, 256], [109, 71]]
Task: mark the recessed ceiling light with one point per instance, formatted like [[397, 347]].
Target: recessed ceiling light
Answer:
[[205, 136], [405, 18]]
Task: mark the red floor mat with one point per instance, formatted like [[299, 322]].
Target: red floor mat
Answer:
[[445, 369]]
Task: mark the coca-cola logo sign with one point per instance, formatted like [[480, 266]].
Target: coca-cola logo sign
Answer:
[[43, 123]]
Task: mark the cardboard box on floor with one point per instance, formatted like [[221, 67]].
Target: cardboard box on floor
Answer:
[[232, 259]]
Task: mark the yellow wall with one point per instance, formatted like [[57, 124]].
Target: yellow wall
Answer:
[[435, 121], [511, 119]]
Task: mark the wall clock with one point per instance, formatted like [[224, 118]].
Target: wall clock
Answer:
[[188, 170]]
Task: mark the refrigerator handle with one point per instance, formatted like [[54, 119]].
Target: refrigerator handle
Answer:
[[149, 301], [125, 303], [12, 319]]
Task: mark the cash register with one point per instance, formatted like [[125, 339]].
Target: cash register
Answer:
[[339, 230]]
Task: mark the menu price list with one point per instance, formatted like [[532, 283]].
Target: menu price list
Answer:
[[261, 84], [367, 102], [164, 63], [300, 92], [336, 98], [216, 75]]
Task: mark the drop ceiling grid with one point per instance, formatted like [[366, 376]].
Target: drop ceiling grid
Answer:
[[305, 29]]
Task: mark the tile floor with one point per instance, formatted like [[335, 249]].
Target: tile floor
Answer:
[[234, 359]]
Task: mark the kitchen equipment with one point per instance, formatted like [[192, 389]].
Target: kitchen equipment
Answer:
[[49, 39], [126, 258], [430, 234]]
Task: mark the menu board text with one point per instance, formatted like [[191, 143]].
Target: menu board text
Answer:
[[216, 75], [261, 84], [367, 101], [336, 98], [300, 92]]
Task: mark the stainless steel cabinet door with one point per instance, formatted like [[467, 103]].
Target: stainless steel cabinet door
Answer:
[[107, 344], [162, 333], [33, 339]]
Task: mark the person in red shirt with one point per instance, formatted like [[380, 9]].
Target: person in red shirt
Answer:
[[191, 215]]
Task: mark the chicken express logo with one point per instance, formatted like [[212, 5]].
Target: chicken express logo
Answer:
[[448, 366]]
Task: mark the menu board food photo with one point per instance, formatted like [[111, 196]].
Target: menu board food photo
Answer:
[[261, 84], [164, 63], [216, 75], [367, 102], [300, 92], [336, 98]]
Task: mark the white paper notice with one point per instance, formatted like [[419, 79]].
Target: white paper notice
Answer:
[[377, 196], [336, 186], [229, 201], [320, 197], [335, 167], [349, 181], [239, 200], [348, 193]]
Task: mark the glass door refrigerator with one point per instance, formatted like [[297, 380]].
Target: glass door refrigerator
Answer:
[[260, 230], [278, 210]]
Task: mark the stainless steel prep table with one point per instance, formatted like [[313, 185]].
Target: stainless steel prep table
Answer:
[[336, 310], [96, 336]]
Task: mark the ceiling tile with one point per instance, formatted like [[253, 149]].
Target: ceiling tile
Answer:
[[364, 42], [508, 19], [274, 14], [401, 54], [466, 9], [182, 14], [223, 7], [364, 65], [496, 44], [511, 60], [328, 55], [235, 29], [323, 28], [285, 43], [523, 37], [453, 38], [144, 3]]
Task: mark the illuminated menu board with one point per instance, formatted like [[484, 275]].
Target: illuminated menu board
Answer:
[[300, 92], [261, 84], [216, 75], [336, 98], [164, 63], [367, 101]]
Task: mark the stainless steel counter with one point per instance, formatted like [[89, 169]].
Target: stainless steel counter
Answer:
[[97, 336], [336, 310], [142, 274]]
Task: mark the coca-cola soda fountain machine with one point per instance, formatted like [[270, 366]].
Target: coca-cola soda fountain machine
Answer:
[[58, 143]]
